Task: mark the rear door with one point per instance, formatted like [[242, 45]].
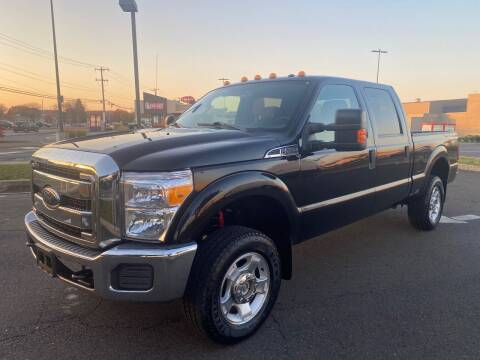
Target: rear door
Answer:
[[393, 151]]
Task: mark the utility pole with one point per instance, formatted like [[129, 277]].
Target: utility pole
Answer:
[[223, 80], [156, 75], [380, 52], [102, 80], [57, 75]]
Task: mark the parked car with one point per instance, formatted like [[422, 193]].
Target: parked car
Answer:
[[43, 124], [25, 126], [209, 209], [5, 124]]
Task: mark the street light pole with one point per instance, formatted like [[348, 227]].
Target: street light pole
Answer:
[[131, 7], [59, 96], [135, 69], [379, 51]]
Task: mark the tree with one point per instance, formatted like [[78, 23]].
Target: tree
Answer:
[[75, 113], [30, 112], [122, 116], [3, 111]]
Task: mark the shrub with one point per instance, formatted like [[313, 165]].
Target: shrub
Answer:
[[75, 133]]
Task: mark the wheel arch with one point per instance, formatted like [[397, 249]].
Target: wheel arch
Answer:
[[439, 165], [259, 190]]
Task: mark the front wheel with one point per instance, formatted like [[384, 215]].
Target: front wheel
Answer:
[[425, 211], [234, 283]]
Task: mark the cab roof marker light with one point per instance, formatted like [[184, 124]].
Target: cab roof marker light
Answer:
[[226, 82], [258, 77], [244, 79], [301, 73], [272, 76]]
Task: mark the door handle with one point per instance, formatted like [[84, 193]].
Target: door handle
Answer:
[[372, 155], [407, 151]]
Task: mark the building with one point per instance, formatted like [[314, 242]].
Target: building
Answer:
[[460, 115], [154, 109]]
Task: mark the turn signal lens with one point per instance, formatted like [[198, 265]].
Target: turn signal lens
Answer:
[[244, 79], [272, 76], [362, 136], [176, 195], [301, 73]]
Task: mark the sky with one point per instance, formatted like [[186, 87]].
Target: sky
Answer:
[[433, 46]]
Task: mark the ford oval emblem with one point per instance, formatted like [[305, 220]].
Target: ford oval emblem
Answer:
[[50, 197]]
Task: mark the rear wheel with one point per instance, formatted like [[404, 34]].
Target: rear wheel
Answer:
[[234, 283], [425, 211]]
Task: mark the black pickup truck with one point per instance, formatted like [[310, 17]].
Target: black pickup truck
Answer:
[[209, 208]]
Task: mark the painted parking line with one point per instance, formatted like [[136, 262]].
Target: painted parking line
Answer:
[[447, 220], [461, 219], [466, 217]]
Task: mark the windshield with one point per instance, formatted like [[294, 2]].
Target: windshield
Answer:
[[255, 106]]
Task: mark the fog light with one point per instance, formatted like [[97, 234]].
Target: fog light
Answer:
[[132, 277]]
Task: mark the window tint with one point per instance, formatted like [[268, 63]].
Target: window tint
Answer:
[[331, 99], [383, 112]]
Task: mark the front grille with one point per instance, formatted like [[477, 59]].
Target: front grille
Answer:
[[57, 242], [69, 202], [67, 229], [57, 170], [79, 203]]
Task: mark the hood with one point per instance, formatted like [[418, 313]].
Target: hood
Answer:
[[175, 148]]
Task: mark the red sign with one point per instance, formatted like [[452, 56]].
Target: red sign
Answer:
[[153, 106], [187, 99]]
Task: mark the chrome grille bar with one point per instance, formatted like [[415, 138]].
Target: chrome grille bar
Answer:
[[87, 187]]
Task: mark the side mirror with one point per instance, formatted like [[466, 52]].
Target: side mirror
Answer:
[[170, 120], [350, 129]]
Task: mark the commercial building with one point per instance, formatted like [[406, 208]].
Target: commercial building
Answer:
[[460, 115]]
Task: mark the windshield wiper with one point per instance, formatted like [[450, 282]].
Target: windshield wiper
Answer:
[[220, 125]]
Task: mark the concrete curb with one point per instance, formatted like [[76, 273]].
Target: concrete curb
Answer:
[[14, 186], [469, 167]]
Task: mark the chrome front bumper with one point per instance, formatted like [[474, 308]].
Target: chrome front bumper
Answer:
[[170, 265]]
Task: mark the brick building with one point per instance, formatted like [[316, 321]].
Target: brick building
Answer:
[[460, 115]]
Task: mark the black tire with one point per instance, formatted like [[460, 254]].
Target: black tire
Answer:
[[214, 257], [419, 207]]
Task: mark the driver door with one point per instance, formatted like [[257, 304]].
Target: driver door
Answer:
[[338, 185]]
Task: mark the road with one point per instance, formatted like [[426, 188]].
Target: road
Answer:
[[470, 149], [377, 289], [20, 146]]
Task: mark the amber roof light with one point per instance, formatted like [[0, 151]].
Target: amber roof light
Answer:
[[244, 79], [272, 76], [258, 77], [301, 73]]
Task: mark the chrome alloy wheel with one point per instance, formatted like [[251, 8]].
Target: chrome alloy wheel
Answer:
[[435, 205], [245, 288]]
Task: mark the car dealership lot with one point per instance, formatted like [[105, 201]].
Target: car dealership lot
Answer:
[[375, 289]]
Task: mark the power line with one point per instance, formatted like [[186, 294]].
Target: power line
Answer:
[[34, 50], [43, 80], [43, 77]]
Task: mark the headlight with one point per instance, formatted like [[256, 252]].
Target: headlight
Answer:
[[151, 200]]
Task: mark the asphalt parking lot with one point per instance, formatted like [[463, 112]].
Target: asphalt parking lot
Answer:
[[21, 146], [470, 149], [377, 289]]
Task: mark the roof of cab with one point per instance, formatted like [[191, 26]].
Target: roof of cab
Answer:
[[316, 78]]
